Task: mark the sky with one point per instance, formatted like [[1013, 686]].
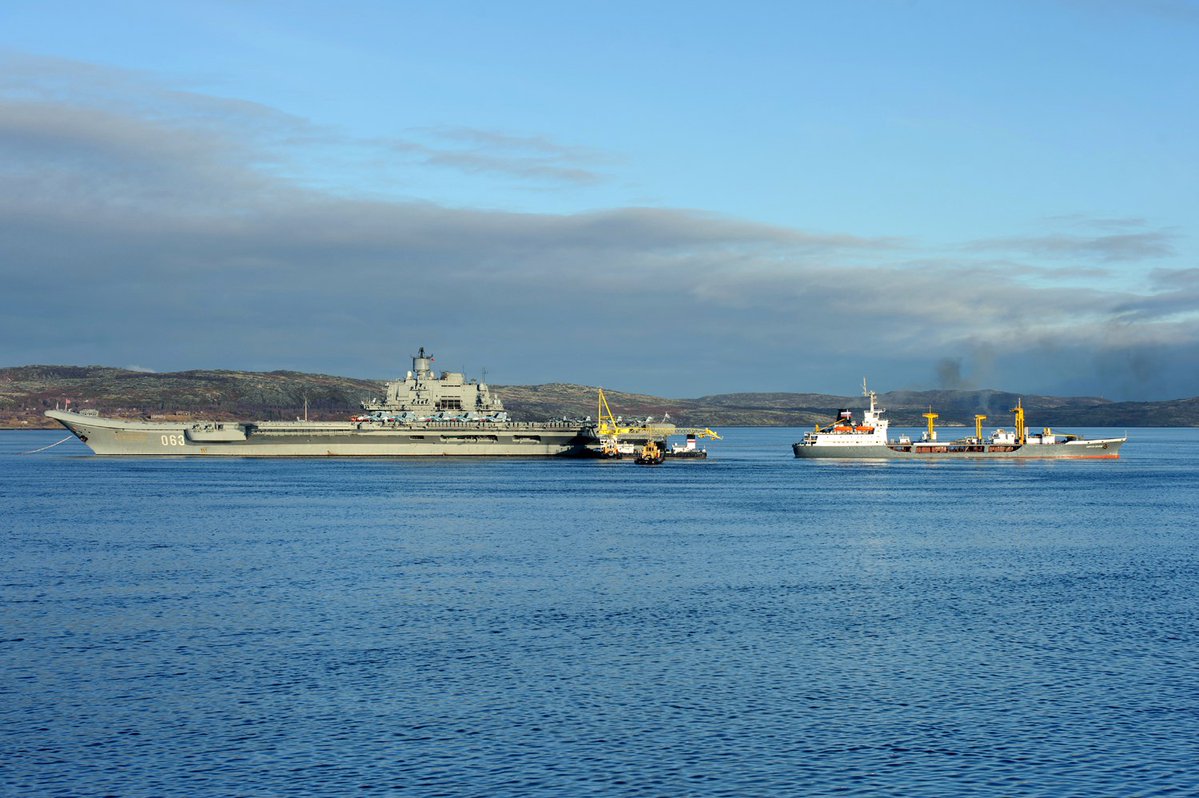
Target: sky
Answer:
[[673, 198]]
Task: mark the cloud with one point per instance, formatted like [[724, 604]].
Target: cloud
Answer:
[[140, 224], [1175, 279], [527, 158], [1125, 247], [1086, 221], [1176, 296]]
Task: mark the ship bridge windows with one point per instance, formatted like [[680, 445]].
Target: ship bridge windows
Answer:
[[449, 404]]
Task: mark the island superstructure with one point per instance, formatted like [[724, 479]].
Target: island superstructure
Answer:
[[868, 440], [424, 414]]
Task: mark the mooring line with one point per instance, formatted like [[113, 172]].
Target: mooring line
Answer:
[[51, 446]]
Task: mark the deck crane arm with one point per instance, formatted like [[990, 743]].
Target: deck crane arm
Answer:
[[607, 426]]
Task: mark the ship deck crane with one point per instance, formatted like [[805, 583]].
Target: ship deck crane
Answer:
[[1021, 430], [608, 428], [978, 427], [932, 430]]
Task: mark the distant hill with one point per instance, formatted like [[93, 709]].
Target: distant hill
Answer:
[[27, 391]]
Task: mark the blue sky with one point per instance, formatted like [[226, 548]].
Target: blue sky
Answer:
[[681, 199]]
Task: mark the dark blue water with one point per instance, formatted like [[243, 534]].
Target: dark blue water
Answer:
[[750, 625]]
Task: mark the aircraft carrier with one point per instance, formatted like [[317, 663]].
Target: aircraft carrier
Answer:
[[424, 415]]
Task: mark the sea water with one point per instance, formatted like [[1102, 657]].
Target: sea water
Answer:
[[749, 625]]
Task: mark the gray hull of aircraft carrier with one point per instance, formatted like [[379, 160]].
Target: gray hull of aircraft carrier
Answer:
[[109, 436], [424, 415]]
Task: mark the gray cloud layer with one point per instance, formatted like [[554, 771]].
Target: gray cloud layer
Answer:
[[1123, 247], [141, 225], [530, 159]]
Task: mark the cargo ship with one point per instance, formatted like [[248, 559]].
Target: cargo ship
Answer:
[[423, 415], [868, 439]]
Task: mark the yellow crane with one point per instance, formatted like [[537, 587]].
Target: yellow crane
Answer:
[[1021, 432], [978, 427], [607, 427], [931, 416]]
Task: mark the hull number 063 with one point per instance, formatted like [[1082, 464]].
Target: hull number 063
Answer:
[[173, 440]]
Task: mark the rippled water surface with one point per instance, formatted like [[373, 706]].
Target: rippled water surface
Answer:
[[750, 625]]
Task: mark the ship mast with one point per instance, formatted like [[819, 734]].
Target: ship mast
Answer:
[[870, 395]]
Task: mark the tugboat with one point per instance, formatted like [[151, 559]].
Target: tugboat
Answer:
[[868, 440], [610, 449], [650, 454]]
